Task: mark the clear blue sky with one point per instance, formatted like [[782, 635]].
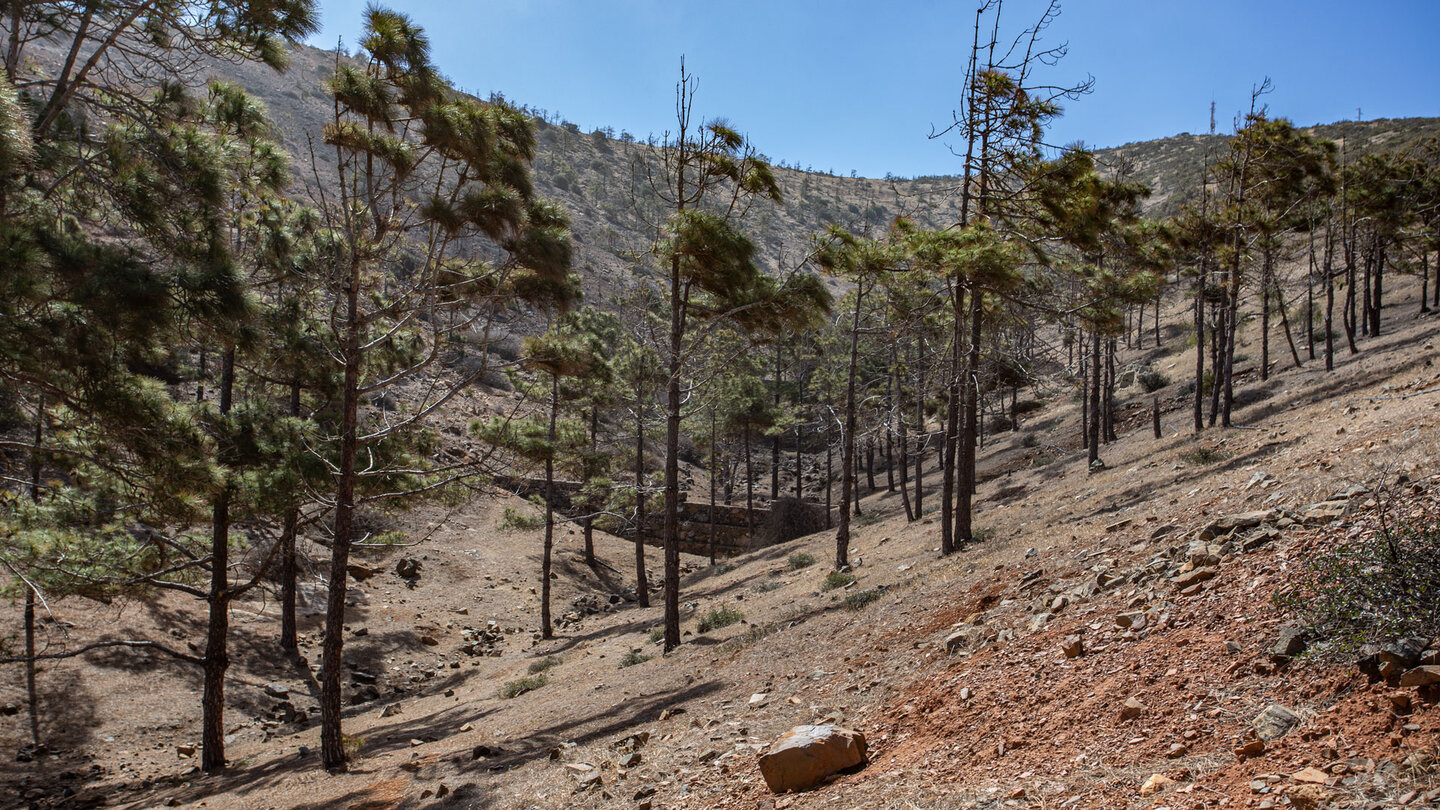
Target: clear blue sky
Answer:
[[847, 84]]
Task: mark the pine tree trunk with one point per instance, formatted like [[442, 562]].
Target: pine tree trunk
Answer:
[[289, 568], [332, 743], [32, 695], [969, 433], [589, 522], [547, 629], [1199, 398], [714, 473], [1093, 428], [1285, 322], [1265, 271], [921, 435], [642, 587], [1329, 299], [672, 462], [1310, 298], [217, 655], [775, 440], [951, 438], [749, 487], [1379, 287], [904, 454]]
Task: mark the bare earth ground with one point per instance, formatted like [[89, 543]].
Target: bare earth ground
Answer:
[[1005, 720]]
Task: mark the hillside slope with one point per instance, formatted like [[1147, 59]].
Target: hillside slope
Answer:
[[954, 667]]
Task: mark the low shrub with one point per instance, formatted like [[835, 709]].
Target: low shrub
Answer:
[[632, 658], [1201, 456], [512, 519], [1152, 381], [546, 663], [519, 686], [1373, 589], [723, 616], [800, 560], [836, 579], [860, 599]]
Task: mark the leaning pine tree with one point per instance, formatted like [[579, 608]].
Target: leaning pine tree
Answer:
[[404, 281]]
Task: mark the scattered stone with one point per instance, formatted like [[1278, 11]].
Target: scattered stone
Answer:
[[1073, 647], [1195, 577], [429, 641], [1312, 776], [803, 756], [708, 755], [1251, 749], [1132, 620], [408, 569], [1177, 750], [1017, 794], [1097, 465], [1402, 654], [956, 642], [633, 742], [391, 710], [361, 572], [1275, 722], [1292, 642], [1258, 539], [1244, 520], [1427, 675], [1132, 709], [758, 700], [629, 760], [186, 751], [1117, 526], [276, 690], [1155, 784]]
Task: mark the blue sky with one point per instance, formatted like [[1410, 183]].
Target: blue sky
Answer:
[[843, 84]]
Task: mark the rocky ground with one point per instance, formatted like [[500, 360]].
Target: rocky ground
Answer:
[[1111, 643]]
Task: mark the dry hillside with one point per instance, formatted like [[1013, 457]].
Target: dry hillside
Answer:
[[954, 667]]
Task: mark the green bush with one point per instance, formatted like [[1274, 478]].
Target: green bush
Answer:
[[632, 658], [657, 634], [1152, 381], [519, 686], [800, 560], [860, 599], [548, 662], [836, 579], [1371, 590], [1201, 456], [512, 519], [767, 586], [723, 616]]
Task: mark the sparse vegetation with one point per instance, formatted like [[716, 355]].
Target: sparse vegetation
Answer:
[[1376, 588], [632, 658], [519, 686], [723, 616], [1152, 381], [836, 579], [800, 559], [513, 520], [545, 664], [860, 599], [1204, 456]]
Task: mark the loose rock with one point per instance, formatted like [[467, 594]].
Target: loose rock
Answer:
[[803, 756]]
